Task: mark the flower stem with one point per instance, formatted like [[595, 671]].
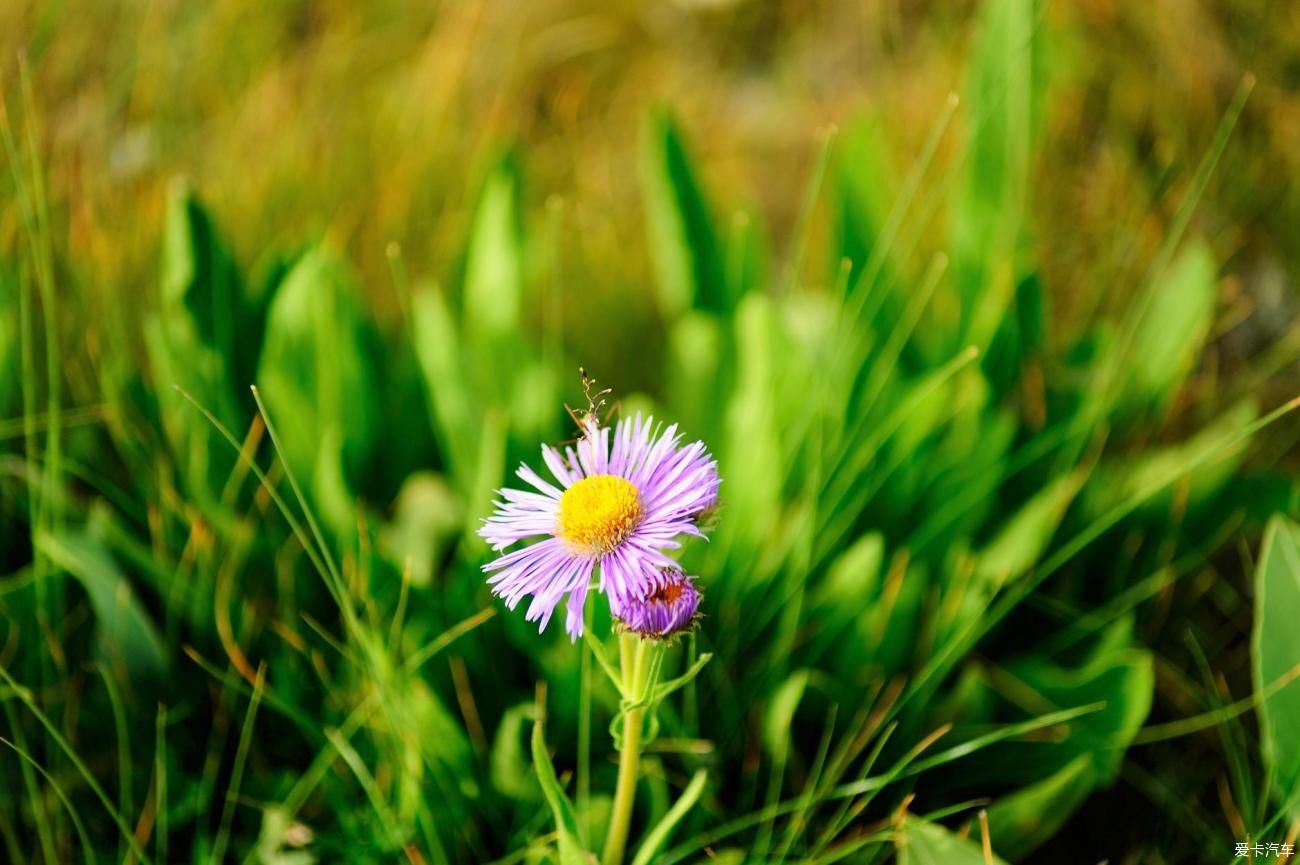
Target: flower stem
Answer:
[[635, 662]]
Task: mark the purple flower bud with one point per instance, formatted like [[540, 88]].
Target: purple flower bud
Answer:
[[668, 610]]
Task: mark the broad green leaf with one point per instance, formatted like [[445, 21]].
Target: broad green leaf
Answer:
[[1021, 822], [842, 600], [1002, 105], [1025, 536], [199, 277], [778, 722], [747, 256], [1121, 678], [922, 843], [1119, 482], [196, 342], [1169, 335], [1275, 644], [127, 636], [752, 453], [568, 836], [494, 270], [853, 580], [318, 380], [684, 249], [439, 349]]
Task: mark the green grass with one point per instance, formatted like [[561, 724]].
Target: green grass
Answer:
[[987, 570]]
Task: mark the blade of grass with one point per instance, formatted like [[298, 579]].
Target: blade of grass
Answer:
[[124, 765], [44, 832], [1018, 591], [67, 749], [161, 824], [446, 638], [237, 772], [87, 849]]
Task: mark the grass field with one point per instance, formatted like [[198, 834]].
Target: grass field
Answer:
[[987, 312]]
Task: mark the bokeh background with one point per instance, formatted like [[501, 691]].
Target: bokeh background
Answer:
[[410, 223], [378, 124]]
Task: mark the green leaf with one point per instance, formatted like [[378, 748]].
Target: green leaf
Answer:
[[494, 276], [1275, 644], [1022, 821], [1115, 483], [852, 581], [317, 377], [197, 340], [1056, 775], [681, 238], [922, 843], [1020, 336], [568, 836], [864, 191], [747, 256], [663, 690], [1003, 99], [752, 443], [663, 830], [1122, 678], [127, 636], [439, 351], [507, 764], [1174, 323], [780, 714], [1026, 534]]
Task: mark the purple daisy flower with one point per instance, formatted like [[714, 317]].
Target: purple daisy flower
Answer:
[[618, 505], [669, 609]]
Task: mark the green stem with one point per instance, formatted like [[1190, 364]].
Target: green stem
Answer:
[[634, 659]]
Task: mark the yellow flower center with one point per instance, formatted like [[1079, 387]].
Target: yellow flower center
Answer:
[[599, 512]]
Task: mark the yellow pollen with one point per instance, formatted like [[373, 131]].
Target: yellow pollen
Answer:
[[599, 512]]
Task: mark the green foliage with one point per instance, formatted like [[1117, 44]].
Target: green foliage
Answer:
[[1276, 648], [318, 376], [9, 352], [684, 248], [1172, 329], [1023, 821], [955, 526], [1003, 101], [568, 835], [203, 339], [922, 843], [128, 638]]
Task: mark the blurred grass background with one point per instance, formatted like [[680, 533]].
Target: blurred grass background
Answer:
[[377, 124], [350, 157]]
